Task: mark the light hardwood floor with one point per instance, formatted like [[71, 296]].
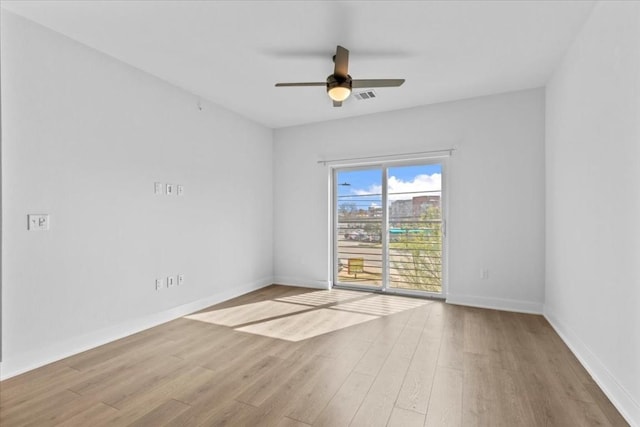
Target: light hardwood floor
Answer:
[[285, 356]]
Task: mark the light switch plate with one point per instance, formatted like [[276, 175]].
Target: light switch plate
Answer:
[[169, 189], [180, 279], [158, 284], [37, 222], [157, 188], [171, 281], [180, 190]]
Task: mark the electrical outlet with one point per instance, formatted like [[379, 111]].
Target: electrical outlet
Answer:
[[180, 279], [158, 284], [484, 273], [171, 282], [157, 188], [37, 222], [180, 190]]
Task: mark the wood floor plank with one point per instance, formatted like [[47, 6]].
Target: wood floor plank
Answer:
[[216, 351], [377, 354], [98, 415], [24, 388], [405, 418], [453, 335], [219, 412], [288, 422], [155, 376], [37, 408], [158, 340], [445, 402], [259, 391], [345, 403], [285, 390], [36, 378], [243, 348], [137, 405], [113, 387], [161, 414], [231, 382], [91, 358], [558, 373], [113, 371], [63, 411], [605, 406], [492, 394], [319, 388], [410, 362], [377, 406], [564, 412], [416, 388]]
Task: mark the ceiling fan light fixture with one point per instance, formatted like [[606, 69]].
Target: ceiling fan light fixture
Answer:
[[340, 83], [338, 87], [339, 93]]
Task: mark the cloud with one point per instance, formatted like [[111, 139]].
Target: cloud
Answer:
[[420, 185]]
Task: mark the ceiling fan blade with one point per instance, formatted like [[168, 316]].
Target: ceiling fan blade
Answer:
[[341, 62], [337, 103], [301, 84], [376, 83]]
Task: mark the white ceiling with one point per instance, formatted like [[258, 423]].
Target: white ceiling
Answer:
[[232, 52]]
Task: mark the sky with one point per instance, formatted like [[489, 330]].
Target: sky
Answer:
[[401, 179]]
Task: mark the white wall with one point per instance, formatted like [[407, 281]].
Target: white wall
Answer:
[[84, 137], [593, 201], [496, 192]]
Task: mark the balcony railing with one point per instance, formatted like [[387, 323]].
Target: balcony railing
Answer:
[[414, 257]]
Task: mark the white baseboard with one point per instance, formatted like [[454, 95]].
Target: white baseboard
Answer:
[[303, 283], [19, 364], [517, 306], [628, 407]]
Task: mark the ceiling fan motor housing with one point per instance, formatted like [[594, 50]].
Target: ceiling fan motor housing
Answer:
[[339, 87]]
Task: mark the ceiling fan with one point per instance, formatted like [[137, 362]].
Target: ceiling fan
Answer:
[[340, 83]]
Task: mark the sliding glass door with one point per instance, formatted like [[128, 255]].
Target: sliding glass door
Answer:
[[389, 228], [359, 227], [415, 227]]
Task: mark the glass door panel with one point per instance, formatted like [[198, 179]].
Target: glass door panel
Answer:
[[359, 228], [415, 227]]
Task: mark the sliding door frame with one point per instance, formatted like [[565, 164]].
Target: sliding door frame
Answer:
[[384, 167], [334, 226]]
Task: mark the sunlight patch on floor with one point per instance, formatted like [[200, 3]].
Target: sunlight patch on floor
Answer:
[[247, 313], [323, 297], [309, 314], [301, 326], [380, 305]]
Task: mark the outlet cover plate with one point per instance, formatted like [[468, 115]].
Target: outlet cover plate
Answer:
[[37, 222]]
